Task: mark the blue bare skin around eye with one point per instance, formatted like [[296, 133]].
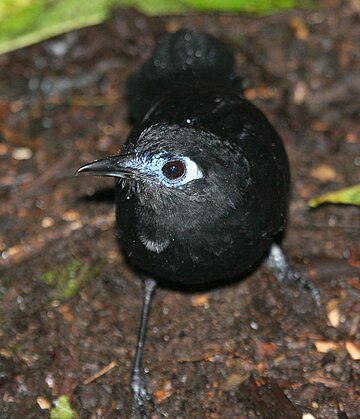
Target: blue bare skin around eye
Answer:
[[153, 165]]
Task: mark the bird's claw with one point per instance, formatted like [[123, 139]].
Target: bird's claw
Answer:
[[279, 265], [304, 283], [142, 396]]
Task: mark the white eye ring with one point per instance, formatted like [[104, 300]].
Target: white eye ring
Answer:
[[191, 172]]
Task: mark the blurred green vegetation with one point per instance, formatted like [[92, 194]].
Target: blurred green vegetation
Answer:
[[62, 409], [25, 22], [66, 282], [346, 196]]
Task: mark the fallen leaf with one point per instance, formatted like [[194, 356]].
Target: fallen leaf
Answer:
[[300, 92], [348, 196], [323, 346], [354, 260], [320, 126], [233, 381], [262, 92], [267, 348], [299, 28], [43, 403], [71, 215], [47, 222], [67, 313], [22, 153], [14, 250], [6, 353], [353, 350], [164, 393], [324, 173], [4, 149], [260, 368], [333, 313], [354, 325], [354, 282], [200, 301]]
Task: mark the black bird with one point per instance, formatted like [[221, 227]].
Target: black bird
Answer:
[[202, 184]]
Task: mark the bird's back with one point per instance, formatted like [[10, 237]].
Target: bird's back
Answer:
[[179, 60]]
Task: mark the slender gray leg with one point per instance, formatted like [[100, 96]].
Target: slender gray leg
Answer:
[[279, 265], [138, 382]]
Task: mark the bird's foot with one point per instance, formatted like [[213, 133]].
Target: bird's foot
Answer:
[[143, 397], [279, 265]]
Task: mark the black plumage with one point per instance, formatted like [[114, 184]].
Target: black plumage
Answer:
[[202, 183], [216, 226]]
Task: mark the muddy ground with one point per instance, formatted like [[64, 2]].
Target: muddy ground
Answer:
[[70, 304]]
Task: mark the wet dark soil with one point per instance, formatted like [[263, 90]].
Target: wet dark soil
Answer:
[[69, 303]]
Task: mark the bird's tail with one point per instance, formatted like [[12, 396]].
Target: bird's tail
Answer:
[[179, 59]]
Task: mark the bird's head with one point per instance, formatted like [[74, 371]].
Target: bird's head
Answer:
[[170, 162]]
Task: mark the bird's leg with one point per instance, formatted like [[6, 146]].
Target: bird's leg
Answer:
[[138, 382], [282, 270]]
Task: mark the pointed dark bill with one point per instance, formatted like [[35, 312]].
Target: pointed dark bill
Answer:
[[115, 166]]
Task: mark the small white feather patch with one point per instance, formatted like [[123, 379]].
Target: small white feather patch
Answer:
[[156, 246]]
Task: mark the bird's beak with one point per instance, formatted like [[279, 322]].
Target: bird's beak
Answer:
[[116, 166]]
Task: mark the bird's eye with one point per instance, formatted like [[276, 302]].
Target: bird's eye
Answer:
[[173, 169]]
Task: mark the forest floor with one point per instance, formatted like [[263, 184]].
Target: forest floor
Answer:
[[70, 305]]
